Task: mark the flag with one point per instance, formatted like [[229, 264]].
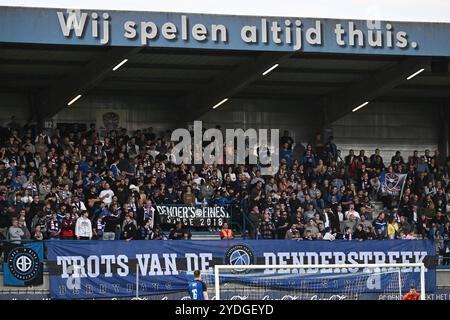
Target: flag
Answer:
[[23, 264], [392, 183]]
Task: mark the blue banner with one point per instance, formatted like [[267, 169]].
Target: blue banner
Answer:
[[202, 31], [23, 264], [105, 269]]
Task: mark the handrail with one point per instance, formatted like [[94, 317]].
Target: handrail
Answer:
[[238, 225], [21, 240]]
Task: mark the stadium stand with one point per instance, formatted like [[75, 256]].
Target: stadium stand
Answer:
[[48, 180]]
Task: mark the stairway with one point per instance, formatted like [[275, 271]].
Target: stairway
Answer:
[[378, 205]]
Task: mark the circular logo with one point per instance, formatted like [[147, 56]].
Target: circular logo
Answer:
[[23, 263], [199, 213], [239, 255]]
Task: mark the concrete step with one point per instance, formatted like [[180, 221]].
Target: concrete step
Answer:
[[378, 205]]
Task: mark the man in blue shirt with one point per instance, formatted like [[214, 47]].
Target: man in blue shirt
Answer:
[[287, 154], [197, 288], [15, 184]]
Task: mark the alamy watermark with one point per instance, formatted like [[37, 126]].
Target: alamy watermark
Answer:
[[251, 146]]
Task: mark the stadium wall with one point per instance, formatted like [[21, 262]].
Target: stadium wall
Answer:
[[389, 126], [43, 291], [13, 104], [300, 118]]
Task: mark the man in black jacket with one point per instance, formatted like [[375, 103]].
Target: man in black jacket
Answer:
[[294, 203], [282, 226], [4, 224], [112, 223], [129, 229], [254, 218], [359, 233], [177, 232]]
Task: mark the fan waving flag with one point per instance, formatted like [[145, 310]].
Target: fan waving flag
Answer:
[[392, 183]]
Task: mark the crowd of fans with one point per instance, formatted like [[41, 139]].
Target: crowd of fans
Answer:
[[78, 185]]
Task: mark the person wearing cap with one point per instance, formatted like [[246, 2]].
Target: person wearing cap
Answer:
[[412, 294], [134, 188]]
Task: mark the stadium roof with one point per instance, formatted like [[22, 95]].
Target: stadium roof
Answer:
[[55, 55], [201, 77]]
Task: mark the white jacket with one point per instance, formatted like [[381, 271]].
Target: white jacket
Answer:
[[83, 227]]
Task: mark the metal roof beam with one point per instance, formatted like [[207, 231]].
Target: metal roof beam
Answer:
[[56, 96], [343, 101], [41, 62], [228, 84]]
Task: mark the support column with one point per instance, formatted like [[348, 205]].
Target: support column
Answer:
[[35, 108], [444, 134]]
